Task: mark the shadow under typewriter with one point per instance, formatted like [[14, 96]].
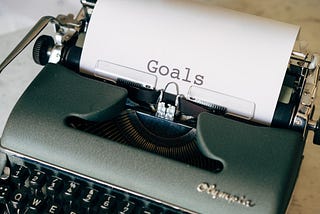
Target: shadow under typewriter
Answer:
[[151, 134]]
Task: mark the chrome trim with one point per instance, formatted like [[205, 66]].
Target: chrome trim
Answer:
[[216, 193], [31, 35], [87, 3], [310, 76]]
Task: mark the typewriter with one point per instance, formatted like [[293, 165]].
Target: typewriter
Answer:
[[79, 143]]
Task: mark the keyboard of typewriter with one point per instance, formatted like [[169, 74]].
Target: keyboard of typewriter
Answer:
[[29, 188]]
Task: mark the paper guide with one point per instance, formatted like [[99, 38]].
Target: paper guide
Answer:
[[200, 47]]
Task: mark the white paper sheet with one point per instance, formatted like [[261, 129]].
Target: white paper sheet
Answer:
[[196, 45]]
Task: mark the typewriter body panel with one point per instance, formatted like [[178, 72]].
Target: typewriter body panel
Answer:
[[261, 167]]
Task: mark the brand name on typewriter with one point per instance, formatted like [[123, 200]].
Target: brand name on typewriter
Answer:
[[216, 193], [184, 75]]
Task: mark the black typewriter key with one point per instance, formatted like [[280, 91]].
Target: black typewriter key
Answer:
[[88, 198], [53, 208], [74, 211], [54, 186], [71, 190], [19, 174], [125, 207], [37, 179], [4, 194], [36, 205], [70, 195], [19, 198], [106, 204]]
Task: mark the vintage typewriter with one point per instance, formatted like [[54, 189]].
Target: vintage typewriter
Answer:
[[77, 143]]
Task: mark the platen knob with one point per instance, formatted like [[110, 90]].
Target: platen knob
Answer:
[[315, 127], [316, 136], [41, 49]]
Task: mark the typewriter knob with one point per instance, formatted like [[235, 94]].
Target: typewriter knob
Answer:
[[315, 127], [41, 49], [316, 138]]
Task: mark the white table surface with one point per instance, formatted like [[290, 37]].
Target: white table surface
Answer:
[[16, 17]]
